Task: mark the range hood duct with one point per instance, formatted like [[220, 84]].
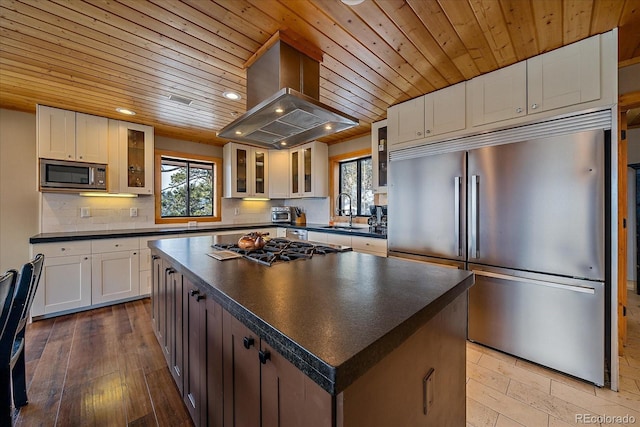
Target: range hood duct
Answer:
[[283, 110]]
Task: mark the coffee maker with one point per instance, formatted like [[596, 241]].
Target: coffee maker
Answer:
[[378, 219]]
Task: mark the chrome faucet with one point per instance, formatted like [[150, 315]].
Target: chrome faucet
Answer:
[[343, 211]]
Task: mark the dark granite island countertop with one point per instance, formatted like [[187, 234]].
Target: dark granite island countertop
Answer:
[[334, 316]]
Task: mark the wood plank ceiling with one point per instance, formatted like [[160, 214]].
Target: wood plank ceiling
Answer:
[[95, 55]]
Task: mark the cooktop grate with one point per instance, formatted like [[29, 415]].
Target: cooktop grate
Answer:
[[280, 250]]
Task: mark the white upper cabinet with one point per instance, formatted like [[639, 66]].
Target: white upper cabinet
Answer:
[[499, 95], [92, 138], [309, 165], [135, 158], [67, 135], [406, 121], [279, 174], [564, 77], [445, 110], [246, 171], [430, 115]]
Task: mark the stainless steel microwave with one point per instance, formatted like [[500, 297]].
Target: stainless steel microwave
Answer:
[[56, 175]]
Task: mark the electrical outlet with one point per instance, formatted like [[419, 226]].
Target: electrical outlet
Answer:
[[236, 211], [133, 212], [85, 212]]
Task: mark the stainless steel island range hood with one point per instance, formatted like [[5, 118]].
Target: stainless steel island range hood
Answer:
[[283, 110]]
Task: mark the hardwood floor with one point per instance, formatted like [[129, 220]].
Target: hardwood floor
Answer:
[[101, 367], [105, 368]]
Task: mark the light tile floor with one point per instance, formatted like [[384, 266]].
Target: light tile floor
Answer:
[[504, 391]]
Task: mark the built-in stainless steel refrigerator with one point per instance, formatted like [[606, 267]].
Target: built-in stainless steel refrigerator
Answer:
[[528, 217]]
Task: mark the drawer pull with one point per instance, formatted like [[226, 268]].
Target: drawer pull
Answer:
[[248, 342], [63, 249], [264, 355]]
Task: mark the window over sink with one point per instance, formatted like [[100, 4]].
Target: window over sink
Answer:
[[355, 179]]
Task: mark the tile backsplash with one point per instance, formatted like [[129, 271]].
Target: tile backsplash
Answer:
[[62, 213]]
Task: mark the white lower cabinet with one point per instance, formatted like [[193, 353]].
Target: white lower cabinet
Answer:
[[369, 245], [362, 244], [145, 271], [115, 270], [65, 284], [115, 276]]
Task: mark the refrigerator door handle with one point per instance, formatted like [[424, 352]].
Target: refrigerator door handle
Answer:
[[580, 289], [456, 214], [475, 218]]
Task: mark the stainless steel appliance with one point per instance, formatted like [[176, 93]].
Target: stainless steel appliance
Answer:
[[69, 175], [282, 214], [528, 217], [294, 233]]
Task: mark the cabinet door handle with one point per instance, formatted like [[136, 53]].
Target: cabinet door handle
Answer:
[[194, 292], [135, 253], [419, 133], [518, 110], [427, 131], [248, 342], [199, 297], [154, 257], [534, 106], [63, 249], [169, 270], [264, 355]]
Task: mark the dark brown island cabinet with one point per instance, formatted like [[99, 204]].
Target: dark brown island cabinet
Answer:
[[229, 376]]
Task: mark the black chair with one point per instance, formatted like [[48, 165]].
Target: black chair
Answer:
[[7, 288], [12, 363]]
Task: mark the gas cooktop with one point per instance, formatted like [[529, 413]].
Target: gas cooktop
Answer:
[[281, 250]]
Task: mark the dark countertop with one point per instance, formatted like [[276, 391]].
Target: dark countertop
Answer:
[[334, 316], [142, 232]]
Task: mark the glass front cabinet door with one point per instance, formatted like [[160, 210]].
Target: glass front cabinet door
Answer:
[[309, 170], [245, 171], [379, 151], [136, 158]]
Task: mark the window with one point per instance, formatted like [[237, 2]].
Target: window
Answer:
[[356, 181], [187, 189]]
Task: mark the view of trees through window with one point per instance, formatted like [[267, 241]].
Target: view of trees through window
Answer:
[[187, 188], [356, 180]]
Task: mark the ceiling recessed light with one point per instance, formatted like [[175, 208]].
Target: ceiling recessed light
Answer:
[[328, 127], [279, 110], [238, 132], [125, 111], [231, 95], [283, 143], [352, 2]]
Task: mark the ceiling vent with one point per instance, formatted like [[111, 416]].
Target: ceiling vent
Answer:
[[180, 100], [283, 88]]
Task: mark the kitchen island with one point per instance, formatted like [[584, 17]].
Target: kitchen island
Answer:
[[342, 339]]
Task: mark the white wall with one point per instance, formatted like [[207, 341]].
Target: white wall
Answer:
[[18, 187], [350, 146]]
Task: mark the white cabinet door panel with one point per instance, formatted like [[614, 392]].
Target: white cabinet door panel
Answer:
[[499, 95], [65, 284], [115, 276], [564, 77]]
